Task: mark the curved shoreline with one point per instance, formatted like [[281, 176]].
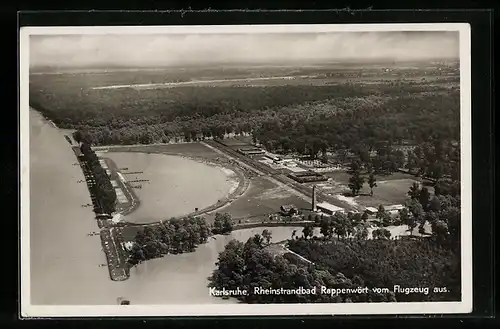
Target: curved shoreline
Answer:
[[243, 184]]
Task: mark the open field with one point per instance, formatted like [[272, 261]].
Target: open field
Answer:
[[113, 76], [390, 190], [386, 193], [312, 80], [262, 199]]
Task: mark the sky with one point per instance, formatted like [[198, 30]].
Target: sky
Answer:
[[185, 49]]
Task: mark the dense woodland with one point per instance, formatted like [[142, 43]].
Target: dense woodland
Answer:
[[103, 191], [336, 115]]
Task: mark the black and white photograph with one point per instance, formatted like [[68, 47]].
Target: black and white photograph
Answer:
[[245, 170]]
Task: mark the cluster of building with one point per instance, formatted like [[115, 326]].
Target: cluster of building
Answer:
[[330, 209]]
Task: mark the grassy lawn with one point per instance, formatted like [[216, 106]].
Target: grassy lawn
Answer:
[[341, 176], [261, 199], [386, 193]]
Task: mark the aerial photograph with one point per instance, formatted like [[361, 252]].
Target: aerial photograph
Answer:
[[244, 168]]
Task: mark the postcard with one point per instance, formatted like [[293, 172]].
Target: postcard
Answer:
[[245, 170]]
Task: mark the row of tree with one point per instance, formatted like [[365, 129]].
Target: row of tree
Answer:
[[173, 236], [102, 189]]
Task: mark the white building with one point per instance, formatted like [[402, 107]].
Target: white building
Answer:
[[328, 208], [393, 209]]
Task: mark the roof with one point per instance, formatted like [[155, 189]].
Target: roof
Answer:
[[328, 206], [371, 209], [394, 207]]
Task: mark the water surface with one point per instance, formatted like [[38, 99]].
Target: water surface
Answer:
[[175, 186]]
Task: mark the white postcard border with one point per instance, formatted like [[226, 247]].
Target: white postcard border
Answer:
[[464, 306]]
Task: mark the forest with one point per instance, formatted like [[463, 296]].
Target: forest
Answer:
[[345, 257], [103, 191], [366, 125], [304, 118]]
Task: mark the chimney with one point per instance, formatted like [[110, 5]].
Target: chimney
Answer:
[[313, 206]]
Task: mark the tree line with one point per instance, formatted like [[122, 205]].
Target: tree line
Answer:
[[173, 236], [102, 188]]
